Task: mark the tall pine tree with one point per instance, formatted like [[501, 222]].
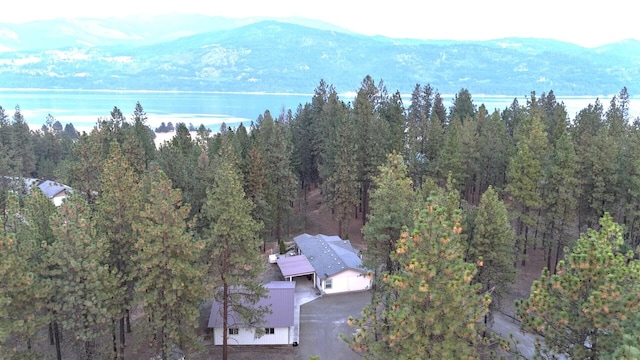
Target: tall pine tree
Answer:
[[232, 246], [169, 286]]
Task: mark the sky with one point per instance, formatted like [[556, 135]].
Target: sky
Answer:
[[587, 23]]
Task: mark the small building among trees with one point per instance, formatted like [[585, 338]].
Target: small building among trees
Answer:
[[336, 263], [274, 330]]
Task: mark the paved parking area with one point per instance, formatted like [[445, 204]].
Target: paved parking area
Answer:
[[323, 320]]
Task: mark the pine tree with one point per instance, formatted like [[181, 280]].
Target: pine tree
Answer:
[[450, 162], [586, 127], [526, 175], [178, 159], [144, 135], [85, 168], [369, 148], [118, 209], [393, 118], [169, 285], [392, 203], [433, 308], [342, 184], [24, 160], [304, 138], [491, 246], [233, 246], [561, 198], [486, 154], [86, 288], [24, 292], [463, 107], [273, 141], [417, 125], [582, 310]]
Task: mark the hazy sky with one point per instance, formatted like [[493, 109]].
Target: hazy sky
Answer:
[[587, 23]]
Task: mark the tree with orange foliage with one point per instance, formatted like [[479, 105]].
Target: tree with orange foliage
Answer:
[[585, 309], [433, 308]]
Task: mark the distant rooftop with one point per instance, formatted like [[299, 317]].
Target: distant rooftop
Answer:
[[52, 188]]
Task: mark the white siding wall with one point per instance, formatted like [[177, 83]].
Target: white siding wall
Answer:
[[58, 198], [348, 280], [246, 337]]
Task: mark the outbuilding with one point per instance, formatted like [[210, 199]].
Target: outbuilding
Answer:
[[276, 327]]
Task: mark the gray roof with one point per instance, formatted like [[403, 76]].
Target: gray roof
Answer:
[[295, 266], [52, 188], [329, 255], [280, 299]]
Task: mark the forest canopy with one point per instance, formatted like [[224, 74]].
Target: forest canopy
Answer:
[[502, 182]]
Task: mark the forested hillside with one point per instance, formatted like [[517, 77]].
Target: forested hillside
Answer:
[[450, 199], [215, 54]]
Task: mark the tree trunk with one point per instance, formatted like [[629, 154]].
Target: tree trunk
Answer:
[[51, 339], [88, 349], [128, 319], [558, 252], [365, 202], [56, 336], [524, 246], [114, 338], [122, 344], [225, 323]]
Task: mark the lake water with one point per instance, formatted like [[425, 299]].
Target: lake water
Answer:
[[83, 108]]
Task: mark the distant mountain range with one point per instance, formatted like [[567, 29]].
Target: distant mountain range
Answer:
[[201, 53]]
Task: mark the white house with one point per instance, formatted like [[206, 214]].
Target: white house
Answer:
[[55, 191], [337, 266], [277, 325]]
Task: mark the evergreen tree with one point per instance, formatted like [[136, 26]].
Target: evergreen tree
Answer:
[[392, 113], [391, 211], [561, 199], [433, 307], [583, 309], [463, 107], [23, 149], [118, 209], [273, 141], [24, 292], [144, 134], [255, 185], [169, 285], [494, 146], [84, 169], [86, 288], [424, 133], [491, 246], [450, 162], [632, 183], [587, 127], [554, 116], [304, 138], [342, 183], [526, 175], [233, 246], [369, 148]]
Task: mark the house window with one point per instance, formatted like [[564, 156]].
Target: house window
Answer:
[[328, 284], [233, 331], [269, 331]]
